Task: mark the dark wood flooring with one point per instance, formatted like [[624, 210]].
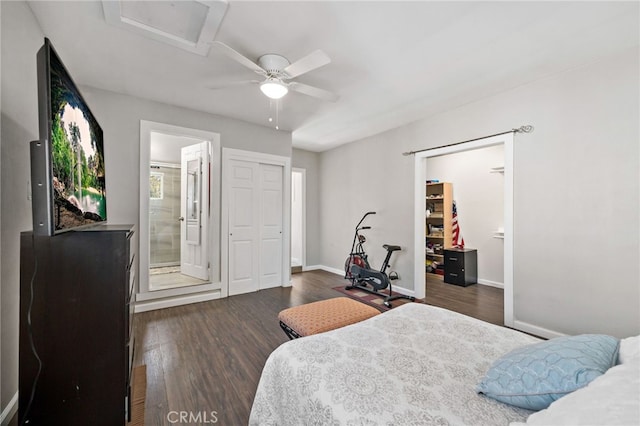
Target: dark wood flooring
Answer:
[[209, 356], [478, 301]]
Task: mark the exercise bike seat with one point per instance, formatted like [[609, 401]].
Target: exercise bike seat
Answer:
[[389, 247]]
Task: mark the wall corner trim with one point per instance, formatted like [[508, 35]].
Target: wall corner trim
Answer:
[[323, 268], [9, 411]]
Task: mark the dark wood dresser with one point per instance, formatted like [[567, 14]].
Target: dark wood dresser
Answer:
[[77, 292]]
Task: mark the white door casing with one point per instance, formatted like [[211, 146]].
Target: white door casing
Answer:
[[190, 294], [194, 210], [298, 216], [419, 196]]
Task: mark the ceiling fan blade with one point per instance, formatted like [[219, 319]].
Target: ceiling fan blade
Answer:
[[313, 91], [238, 57], [225, 84], [308, 63]]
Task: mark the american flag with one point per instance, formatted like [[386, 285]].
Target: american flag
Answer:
[[457, 239]]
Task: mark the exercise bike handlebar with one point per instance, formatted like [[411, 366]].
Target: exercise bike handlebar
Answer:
[[362, 220]]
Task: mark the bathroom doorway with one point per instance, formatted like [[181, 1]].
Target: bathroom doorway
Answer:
[[298, 222], [178, 211], [179, 214]]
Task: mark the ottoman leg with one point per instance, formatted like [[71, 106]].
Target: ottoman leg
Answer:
[[291, 333]]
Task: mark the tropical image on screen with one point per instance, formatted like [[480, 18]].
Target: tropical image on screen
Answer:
[[77, 155]]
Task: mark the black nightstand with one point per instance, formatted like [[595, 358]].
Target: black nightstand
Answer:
[[461, 266]]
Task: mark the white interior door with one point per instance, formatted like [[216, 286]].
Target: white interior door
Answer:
[[271, 219], [244, 228], [194, 211], [255, 225]]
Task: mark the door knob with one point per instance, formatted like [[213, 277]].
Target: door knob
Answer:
[[181, 219]]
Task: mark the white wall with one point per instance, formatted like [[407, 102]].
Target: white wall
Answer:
[[576, 191], [21, 38], [479, 197], [369, 175], [310, 162]]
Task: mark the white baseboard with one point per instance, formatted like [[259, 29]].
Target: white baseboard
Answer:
[[152, 305], [323, 268], [337, 271], [332, 270], [402, 290], [177, 292], [536, 330], [310, 268], [490, 283], [9, 411]]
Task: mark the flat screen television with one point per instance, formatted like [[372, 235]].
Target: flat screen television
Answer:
[[67, 162]]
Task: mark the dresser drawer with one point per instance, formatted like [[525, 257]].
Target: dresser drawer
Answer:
[[129, 309], [132, 281], [131, 351]]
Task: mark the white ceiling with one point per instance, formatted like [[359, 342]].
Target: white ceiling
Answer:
[[392, 62], [165, 148]]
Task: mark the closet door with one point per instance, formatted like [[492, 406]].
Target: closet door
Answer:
[[271, 219], [256, 219], [244, 226]]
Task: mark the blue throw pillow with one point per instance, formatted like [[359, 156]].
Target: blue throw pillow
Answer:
[[534, 376]]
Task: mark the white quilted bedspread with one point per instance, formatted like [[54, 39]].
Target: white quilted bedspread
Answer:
[[413, 365]]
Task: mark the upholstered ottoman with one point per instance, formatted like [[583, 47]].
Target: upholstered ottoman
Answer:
[[325, 315]]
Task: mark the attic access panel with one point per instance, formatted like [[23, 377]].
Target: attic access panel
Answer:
[[189, 25]]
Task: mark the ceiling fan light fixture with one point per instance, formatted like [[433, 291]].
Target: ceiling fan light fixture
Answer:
[[273, 88]]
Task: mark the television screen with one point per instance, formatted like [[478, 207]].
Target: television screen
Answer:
[[76, 151]]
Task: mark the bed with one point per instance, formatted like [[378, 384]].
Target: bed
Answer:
[[421, 365], [415, 364]]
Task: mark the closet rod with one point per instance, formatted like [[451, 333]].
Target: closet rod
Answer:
[[521, 129]]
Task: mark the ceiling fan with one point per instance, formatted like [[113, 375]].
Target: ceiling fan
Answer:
[[277, 71]]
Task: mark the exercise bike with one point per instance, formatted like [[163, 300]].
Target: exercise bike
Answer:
[[360, 273]]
